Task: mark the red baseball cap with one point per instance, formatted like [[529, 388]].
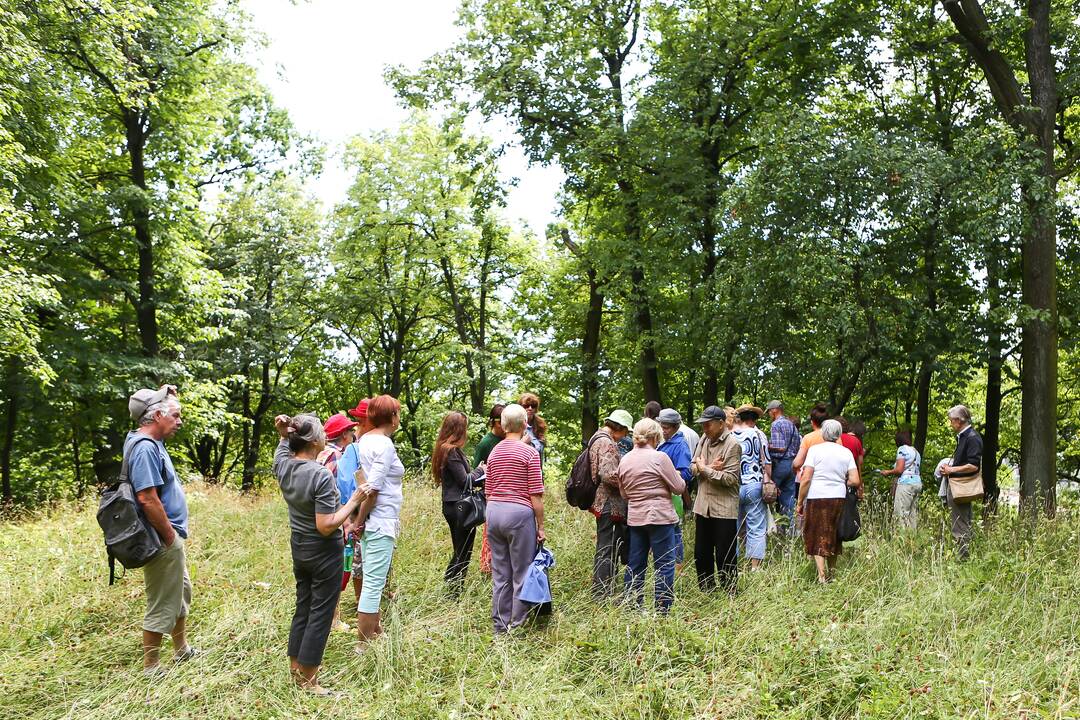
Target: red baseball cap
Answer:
[[335, 425], [360, 411]]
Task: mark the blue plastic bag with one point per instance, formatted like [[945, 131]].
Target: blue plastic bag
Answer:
[[536, 589]]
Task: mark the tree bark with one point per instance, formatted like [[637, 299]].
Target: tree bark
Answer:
[[994, 362]]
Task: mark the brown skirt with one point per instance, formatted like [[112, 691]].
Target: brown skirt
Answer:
[[821, 518]]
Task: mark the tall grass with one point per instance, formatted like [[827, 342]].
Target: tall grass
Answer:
[[905, 631]]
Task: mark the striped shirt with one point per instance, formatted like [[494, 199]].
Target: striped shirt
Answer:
[[513, 473]]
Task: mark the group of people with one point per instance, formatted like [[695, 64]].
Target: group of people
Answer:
[[342, 481]]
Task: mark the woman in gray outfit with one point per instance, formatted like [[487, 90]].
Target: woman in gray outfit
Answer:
[[311, 493]]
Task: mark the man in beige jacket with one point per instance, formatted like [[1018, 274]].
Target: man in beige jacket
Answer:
[[716, 465]]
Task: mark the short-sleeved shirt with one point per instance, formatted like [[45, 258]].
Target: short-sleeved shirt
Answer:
[[752, 442], [784, 434], [149, 465], [912, 462], [513, 473], [384, 472], [811, 439], [347, 465], [852, 442], [969, 450], [484, 448], [308, 489], [831, 462]]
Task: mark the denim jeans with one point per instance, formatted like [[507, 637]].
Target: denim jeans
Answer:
[[753, 521], [661, 540], [783, 474]]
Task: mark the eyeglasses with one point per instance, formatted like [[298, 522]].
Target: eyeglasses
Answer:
[[532, 406]]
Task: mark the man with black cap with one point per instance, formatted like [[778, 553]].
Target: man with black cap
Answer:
[[153, 477], [717, 466]]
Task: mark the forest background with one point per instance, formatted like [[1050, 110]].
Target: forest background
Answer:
[[870, 203]]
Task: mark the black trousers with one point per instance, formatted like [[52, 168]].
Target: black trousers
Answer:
[[612, 552], [317, 566], [462, 539], [716, 552]]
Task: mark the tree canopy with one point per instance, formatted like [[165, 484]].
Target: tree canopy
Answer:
[[870, 203]]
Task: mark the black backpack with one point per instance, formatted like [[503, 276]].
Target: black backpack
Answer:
[[581, 485], [129, 537]]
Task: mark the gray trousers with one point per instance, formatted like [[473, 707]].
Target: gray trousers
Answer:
[[906, 505], [612, 552], [511, 531], [960, 519]]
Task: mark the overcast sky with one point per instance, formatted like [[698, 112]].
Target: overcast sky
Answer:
[[325, 61]]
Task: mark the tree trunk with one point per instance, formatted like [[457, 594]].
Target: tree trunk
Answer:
[[590, 344], [251, 459], [146, 311], [11, 413], [922, 402], [76, 461], [1034, 122]]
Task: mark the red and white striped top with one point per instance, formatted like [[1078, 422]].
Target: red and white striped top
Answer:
[[513, 473]]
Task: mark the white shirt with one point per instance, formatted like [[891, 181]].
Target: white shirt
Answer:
[[384, 471], [691, 437], [831, 462]]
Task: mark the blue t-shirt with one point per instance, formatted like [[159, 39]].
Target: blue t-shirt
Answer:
[[912, 461], [149, 465], [347, 465]]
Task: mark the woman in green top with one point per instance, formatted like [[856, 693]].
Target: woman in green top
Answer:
[[480, 455], [494, 435]]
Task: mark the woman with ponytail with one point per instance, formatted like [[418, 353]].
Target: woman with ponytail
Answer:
[[316, 517]]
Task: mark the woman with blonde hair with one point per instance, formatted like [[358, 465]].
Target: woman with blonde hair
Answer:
[[535, 426], [648, 479], [450, 469]]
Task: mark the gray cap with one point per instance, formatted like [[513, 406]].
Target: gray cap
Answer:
[[668, 416], [143, 399], [713, 412], [774, 405]]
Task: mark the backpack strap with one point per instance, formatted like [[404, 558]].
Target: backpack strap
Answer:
[[124, 472]]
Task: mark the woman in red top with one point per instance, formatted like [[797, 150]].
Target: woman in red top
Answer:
[[515, 518], [853, 442]]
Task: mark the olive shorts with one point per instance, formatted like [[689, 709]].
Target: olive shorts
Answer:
[[168, 588]]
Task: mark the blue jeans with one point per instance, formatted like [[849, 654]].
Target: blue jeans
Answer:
[[783, 474], [753, 521], [680, 550], [661, 540]]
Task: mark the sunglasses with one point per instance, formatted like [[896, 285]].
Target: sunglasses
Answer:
[[532, 406]]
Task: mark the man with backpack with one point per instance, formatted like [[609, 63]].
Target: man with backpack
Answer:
[[163, 504]]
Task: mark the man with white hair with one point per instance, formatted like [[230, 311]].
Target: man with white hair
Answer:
[[161, 498], [966, 464]]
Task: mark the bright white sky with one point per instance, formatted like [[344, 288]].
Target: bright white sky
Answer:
[[324, 64]]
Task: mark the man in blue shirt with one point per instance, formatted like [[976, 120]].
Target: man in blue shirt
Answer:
[[784, 442], [676, 448], [153, 477]]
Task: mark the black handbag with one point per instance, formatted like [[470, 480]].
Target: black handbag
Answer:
[[471, 509], [850, 523]]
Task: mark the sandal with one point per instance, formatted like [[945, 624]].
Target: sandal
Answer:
[[188, 653]]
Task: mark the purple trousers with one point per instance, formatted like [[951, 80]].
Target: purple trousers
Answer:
[[511, 530]]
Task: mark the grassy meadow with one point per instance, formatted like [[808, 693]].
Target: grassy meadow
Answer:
[[905, 631]]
